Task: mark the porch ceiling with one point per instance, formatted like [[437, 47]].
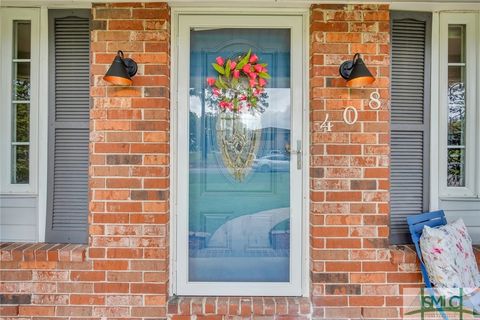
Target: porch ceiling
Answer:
[[425, 5]]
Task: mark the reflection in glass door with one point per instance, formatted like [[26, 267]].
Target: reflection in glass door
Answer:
[[239, 230], [242, 212]]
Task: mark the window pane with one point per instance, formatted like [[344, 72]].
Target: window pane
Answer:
[[20, 172], [21, 81], [456, 168], [456, 106], [21, 36], [21, 125], [456, 127], [456, 43], [456, 74]]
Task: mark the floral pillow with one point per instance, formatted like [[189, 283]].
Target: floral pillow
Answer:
[[448, 256]]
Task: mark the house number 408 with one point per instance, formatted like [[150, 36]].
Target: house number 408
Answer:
[[350, 114]]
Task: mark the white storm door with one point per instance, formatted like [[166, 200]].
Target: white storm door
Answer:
[[239, 236]]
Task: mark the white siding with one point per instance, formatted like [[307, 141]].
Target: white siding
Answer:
[[468, 210], [18, 218]]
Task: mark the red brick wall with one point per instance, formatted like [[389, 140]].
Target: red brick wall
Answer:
[[350, 166], [129, 172], [123, 272]]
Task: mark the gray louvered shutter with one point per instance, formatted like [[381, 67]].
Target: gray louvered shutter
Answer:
[[410, 117], [69, 106]]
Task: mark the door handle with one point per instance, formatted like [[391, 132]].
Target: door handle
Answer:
[[297, 152]]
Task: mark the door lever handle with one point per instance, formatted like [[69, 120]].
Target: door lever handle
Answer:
[[297, 152]]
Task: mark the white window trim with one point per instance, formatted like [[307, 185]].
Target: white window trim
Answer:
[[470, 20], [177, 286], [8, 15]]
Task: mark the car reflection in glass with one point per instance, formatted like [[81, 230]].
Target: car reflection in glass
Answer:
[[272, 162]]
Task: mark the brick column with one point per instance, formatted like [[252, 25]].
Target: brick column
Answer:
[[349, 165], [129, 154]]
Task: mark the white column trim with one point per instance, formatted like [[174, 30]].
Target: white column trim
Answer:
[[43, 126], [434, 128]]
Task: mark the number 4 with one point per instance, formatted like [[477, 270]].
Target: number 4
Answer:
[[326, 125]]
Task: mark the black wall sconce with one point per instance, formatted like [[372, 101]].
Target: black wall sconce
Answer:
[[356, 72], [121, 71]]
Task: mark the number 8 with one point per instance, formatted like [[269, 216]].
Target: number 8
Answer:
[[374, 103]]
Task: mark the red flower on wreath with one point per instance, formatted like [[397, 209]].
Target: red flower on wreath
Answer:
[[239, 85]]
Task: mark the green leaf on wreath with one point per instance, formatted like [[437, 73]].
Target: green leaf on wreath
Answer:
[[220, 84], [223, 85], [227, 69], [235, 103], [218, 68], [264, 75], [244, 60]]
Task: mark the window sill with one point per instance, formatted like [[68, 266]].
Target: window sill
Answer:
[[34, 252], [459, 198], [237, 306]]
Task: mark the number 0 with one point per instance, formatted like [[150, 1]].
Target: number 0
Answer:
[[350, 115]]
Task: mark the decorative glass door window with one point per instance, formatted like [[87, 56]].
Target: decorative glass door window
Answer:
[[457, 108], [19, 98], [239, 214]]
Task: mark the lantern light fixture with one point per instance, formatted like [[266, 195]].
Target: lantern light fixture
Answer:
[[356, 72], [121, 70]]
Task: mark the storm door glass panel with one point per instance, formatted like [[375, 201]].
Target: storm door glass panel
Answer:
[[239, 224], [456, 106]]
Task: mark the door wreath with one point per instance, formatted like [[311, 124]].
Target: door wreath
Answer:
[[239, 96]]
